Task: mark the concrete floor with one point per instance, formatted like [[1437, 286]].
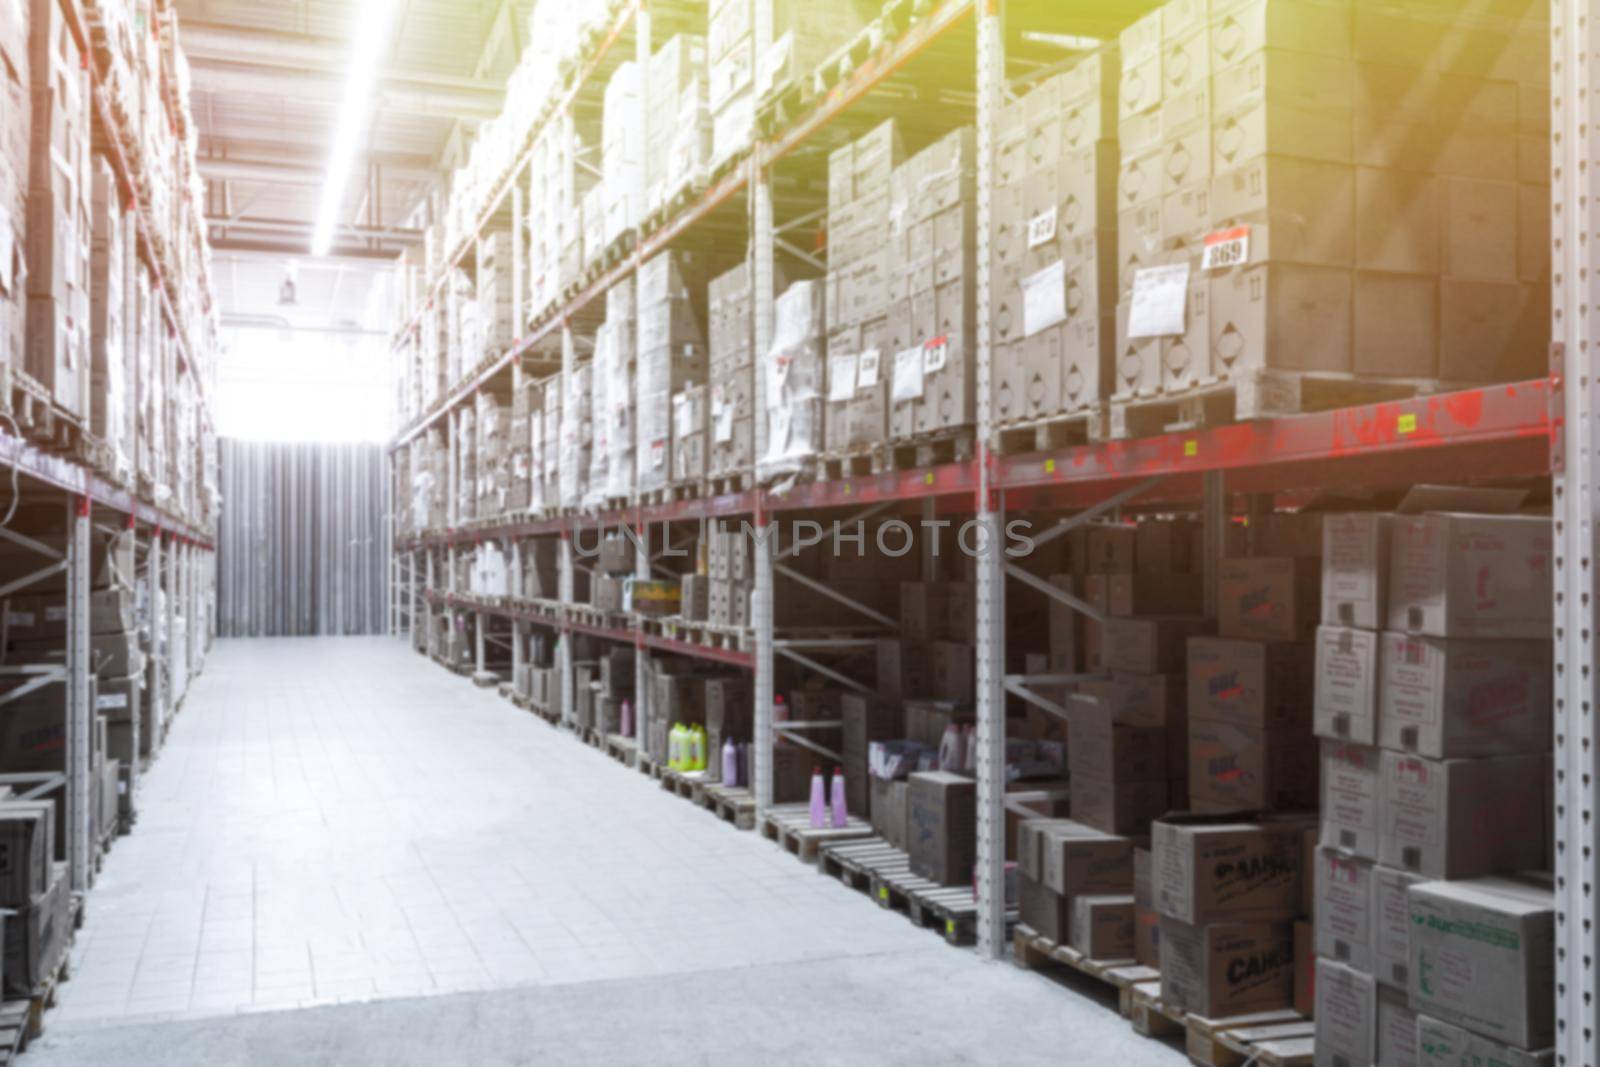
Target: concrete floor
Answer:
[[347, 855]]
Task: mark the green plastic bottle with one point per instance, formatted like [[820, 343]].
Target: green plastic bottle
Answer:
[[675, 746], [697, 748]]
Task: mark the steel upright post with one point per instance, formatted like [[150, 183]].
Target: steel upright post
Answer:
[[1575, 78], [80, 716], [991, 738]]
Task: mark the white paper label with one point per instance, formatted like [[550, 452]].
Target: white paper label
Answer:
[[1041, 229], [107, 701], [682, 424], [841, 379], [19, 618], [1160, 297], [658, 454], [1227, 248], [1044, 299], [55, 614], [935, 355], [776, 381], [722, 431], [867, 369], [907, 375]]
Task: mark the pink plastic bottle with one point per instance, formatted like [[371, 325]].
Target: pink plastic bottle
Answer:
[[730, 763], [819, 800], [840, 815], [626, 724]]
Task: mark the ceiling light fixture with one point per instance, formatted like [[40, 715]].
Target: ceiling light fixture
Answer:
[[369, 32]]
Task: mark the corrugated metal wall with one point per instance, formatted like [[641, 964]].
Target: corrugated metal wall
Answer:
[[304, 543]]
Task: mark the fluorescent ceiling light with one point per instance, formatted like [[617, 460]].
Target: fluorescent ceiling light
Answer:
[[370, 32]]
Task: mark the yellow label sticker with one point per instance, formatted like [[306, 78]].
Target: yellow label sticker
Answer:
[[950, 928], [1408, 424], [883, 892], [846, 488], [1049, 466], [927, 479], [1191, 448]]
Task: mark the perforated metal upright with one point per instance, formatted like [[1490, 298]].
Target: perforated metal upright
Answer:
[[80, 716], [158, 668], [991, 700], [565, 584], [1575, 79]]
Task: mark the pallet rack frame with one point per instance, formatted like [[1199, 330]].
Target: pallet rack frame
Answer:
[[1528, 430]]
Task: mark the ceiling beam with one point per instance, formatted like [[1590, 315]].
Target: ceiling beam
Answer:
[[397, 95], [288, 173], [301, 226], [283, 251]]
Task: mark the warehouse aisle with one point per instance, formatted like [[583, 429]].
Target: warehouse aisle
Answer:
[[339, 825]]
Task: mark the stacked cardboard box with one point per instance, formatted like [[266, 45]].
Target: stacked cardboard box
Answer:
[[466, 461], [931, 285], [557, 199], [678, 122], [1351, 189], [730, 77], [15, 140], [1054, 243], [861, 261], [492, 449], [732, 577], [1433, 700], [58, 211], [111, 410], [525, 441], [793, 406], [1075, 885], [622, 154], [611, 462], [730, 710], [552, 470], [672, 359], [732, 375], [1227, 891], [495, 293]]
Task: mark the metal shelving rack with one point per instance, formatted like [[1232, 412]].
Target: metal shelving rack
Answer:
[[1522, 430], [178, 559]]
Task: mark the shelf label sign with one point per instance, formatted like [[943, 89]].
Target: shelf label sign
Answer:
[[1044, 298], [1160, 298], [1407, 424], [935, 355], [907, 375], [1226, 248], [841, 378], [867, 368], [1041, 229]]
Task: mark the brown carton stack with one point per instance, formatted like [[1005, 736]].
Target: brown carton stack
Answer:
[[15, 128], [1228, 892], [1351, 187], [672, 359], [732, 376], [942, 825], [1075, 885], [59, 228], [862, 338], [731, 576], [1054, 243]]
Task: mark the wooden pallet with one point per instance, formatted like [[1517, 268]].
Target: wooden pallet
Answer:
[[1282, 1038], [686, 784], [730, 803], [485, 679], [622, 749], [837, 466], [882, 871], [15, 1029], [44, 995], [671, 494], [1053, 432], [1037, 953], [727, 484], [1256, 394], [930, 450], [790, 826]]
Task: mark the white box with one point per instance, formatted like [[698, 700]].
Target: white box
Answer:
[[1454, 697], [1345, 705]]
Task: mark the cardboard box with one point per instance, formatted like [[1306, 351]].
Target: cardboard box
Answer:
[[1483, 956], [36, 937], [941, 818], [1146, 920], [1100, 746], [1343, 915], [1442, 1044], [27, 845], [1352, 783], [1208, 870], [1345, 702], [1150, 646], [1391, 926], [889, 811], [1463, 818], [1047, 913], [1229, 968], [1250, 768], [1268, 599], [1103, 927], [1117, 807], [1347, 1016], [1305, 969], [1077, 860], [1450, 697], [1454, 575], [1250, 683], [1397, 1029]]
